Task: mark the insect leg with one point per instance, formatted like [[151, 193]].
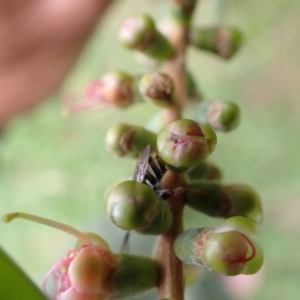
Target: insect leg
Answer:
[[125, 242]]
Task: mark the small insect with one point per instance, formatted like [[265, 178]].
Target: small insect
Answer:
[[150, 169]]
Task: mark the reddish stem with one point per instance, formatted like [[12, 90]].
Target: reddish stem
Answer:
[[171, 283]]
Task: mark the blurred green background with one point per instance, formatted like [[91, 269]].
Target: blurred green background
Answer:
[[60, 169]]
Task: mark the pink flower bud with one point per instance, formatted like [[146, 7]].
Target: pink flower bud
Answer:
[[185, 143], [114, 89]]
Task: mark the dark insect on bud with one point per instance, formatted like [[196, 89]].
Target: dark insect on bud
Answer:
[[150, 170]]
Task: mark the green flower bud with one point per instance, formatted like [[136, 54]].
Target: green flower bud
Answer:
[[128, 140], [157, 88], [185, 143], [247, 201], [226, 249], [203, 171], [135, 206], [217, 200], [219, 115], [223, 249], [223, 41], [134, 275], [209, 198], [139, 33]]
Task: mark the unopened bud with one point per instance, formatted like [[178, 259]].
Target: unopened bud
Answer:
[[217, 200], [135, 206], [185, 143], [114, 89], [128, 140], [223, 41], [225, 249], [139, 33], [203, 171], [157, 88], [90, 269], [219, 115], [134, 275]]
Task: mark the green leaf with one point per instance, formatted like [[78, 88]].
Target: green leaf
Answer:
[[14, 283]]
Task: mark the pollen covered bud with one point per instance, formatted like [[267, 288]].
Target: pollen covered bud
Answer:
[[139, 33], [218, 114], [185, 143], [132, 205], [129, 140], [157, 88], [226, 249], [223, 41]]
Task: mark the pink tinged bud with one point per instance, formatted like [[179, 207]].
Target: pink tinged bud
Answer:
[[227, 252], [90, 269], [139, 33], [114, 89], [225, 249], [83, 273], [185, 143]]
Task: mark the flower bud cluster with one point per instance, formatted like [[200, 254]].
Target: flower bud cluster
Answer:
[[92, 271]]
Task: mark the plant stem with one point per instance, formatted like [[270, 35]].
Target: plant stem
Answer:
[[171, 282]]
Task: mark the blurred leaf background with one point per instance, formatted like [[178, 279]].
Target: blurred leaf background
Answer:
[[60, 169]]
